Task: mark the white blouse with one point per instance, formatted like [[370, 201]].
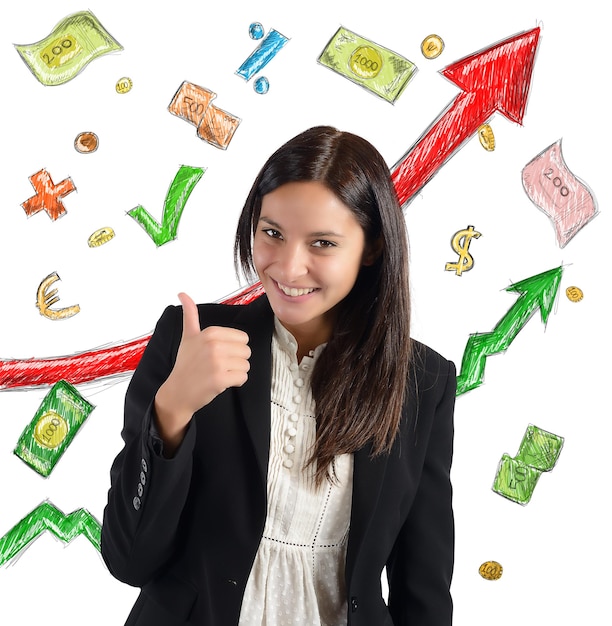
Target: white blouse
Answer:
[[298, 573]]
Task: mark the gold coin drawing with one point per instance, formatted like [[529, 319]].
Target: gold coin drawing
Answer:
[[432, 46], [491, 570], [486, 137], [100, 236], [574, 294], [123, 85]]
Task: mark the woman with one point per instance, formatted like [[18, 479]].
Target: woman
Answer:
[[280, 455]]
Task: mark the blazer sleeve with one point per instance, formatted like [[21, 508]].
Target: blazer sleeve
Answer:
[[147, 492], [420, 567]]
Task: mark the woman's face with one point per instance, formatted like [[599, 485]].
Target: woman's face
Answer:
[[308, 249]]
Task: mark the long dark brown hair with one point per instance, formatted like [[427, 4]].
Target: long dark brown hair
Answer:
[[359, 381]]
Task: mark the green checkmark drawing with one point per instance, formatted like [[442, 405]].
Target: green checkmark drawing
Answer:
[[185, 180]]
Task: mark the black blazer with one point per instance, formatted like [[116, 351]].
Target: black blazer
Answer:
[[186, 529]]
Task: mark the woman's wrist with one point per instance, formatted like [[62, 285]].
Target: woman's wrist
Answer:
[[171, 422]]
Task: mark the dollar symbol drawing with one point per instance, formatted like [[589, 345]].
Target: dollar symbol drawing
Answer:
[[460, 244]]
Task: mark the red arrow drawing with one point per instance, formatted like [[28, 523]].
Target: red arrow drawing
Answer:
[[495, 79]]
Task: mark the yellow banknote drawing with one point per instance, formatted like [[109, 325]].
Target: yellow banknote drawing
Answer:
[[74, 42]]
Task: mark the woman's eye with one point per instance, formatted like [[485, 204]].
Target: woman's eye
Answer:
[[271, 232], [323, 243]]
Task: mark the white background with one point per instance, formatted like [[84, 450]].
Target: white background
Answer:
[[555, 551]]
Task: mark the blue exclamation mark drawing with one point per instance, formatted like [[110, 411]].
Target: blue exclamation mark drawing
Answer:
[[261, 56]]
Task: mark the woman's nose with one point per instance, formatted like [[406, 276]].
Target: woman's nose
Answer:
[[293, 262]]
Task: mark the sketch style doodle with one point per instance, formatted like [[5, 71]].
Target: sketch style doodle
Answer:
[[261, 56], [564, 198], [93, 364], [517, 477], [190, 102], [45, 300], [48, 195], [86, 143], [486, 137], [100, 237], [52, 429], [217, 127], [536, 292], [494, 80], [124, 85], [72, 44], [46, 516], [368, 64], [574, 294], [180, 189], [432, 46], [460, 244], [491, 570], [193, 104]]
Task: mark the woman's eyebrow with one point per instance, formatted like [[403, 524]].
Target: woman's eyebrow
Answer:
[[321, 233], [262, 218]]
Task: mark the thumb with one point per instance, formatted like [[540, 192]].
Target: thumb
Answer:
[[191, 319]]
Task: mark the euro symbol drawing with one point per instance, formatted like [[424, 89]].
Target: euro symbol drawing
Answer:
[[44, 300], [460, 243]]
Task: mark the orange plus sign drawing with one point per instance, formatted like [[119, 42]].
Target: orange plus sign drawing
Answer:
[[48, 195]]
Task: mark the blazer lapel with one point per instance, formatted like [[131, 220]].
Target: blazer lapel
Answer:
[[257, 320]]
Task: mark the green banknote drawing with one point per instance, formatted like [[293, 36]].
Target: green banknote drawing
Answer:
[[517, 477], [364, 62], [540, 449], [53, 427], [72, 44], [515, 480]]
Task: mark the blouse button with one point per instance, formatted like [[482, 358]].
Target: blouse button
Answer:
[[291, 432], [289, 448], [293, 367], [293, 417], [297, 399], [299, 382], [288, 463]]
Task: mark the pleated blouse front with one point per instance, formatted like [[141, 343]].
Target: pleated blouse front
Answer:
[[297, 577]]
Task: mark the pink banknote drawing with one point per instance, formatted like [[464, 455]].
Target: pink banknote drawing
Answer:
[[567, 201]]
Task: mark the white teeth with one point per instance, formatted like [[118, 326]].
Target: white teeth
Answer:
[[292, 291]]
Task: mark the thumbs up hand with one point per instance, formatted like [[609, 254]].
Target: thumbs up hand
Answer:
[[207, 363]]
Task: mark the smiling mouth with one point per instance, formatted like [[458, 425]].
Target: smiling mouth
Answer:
[[293, 291]]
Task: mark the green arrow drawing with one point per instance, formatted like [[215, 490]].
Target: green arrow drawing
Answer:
[[185, 180], [536, 292], [48, 517]]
